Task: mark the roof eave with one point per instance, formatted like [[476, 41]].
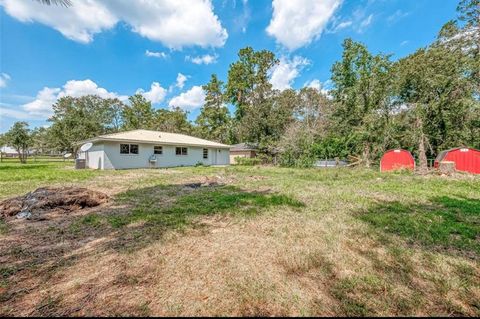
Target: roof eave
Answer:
[[106, 139], [242, 149]]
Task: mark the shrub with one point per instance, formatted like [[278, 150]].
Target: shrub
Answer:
[[200, 164], [297, 147], [334, 146], [304, 158], [247, 161]]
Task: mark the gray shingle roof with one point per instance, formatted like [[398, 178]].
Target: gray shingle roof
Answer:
[[243, 147]]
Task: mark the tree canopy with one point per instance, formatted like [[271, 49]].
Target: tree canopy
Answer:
[[426, 102], [20, 139]]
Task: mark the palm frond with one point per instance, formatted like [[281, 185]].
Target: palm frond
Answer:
[[64, 3]]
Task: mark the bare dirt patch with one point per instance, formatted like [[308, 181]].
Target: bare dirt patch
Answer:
[[36, 204], [240, 244]]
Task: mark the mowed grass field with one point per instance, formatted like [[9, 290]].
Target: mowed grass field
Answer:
[[261, 241]]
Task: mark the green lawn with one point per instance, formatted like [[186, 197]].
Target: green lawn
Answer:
[[263, 241], [16, 178]]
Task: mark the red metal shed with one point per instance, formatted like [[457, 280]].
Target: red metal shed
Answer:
[[465, 159], [397, 159]]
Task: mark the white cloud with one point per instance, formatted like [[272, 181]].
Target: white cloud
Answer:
[[322, 87], [315, 84], [398, 15], [365, 23], [76, 88], [181, 79], [153, 54], [156, 94], [240, 21], [284, 73], [79, 22], [4, 78], [42, 105], [204, 59], [342, 25], [296, 23], [190, 100], [173, 23], [15, 114]]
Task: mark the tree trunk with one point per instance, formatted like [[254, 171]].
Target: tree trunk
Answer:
[[422, 156], [447, 168], [366, 155], [24, 155], [19, 152]]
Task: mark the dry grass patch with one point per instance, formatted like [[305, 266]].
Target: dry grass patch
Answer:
[[261, 241]]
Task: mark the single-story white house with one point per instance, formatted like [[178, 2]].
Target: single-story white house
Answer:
[[152, 149]]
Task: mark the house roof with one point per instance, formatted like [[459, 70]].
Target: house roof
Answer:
[[243, 147], [155, 137]]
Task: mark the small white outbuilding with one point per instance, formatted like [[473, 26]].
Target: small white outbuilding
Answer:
[[152, 149]]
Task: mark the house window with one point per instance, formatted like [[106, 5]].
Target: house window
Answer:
[[128, 149], [205, 153], [158, 150], [124, 149], [133, 149], [181, 151]]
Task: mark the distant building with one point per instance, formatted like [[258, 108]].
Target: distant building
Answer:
[[243, 150], [8, 151]]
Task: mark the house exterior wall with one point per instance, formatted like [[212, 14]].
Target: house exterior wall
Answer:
[[110, 158], [94, 157]]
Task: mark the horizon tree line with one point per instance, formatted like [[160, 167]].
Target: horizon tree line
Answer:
[[425, 102]]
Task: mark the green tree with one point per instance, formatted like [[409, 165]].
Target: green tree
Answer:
[[77, 119], [213, 121], [297, 146], [173, 121], [3, 142], [434, 84], [267, 119], [19, 138], [312, 107], [246, 76], [139, 114], [361, 95], [41, 140], [469, 12]]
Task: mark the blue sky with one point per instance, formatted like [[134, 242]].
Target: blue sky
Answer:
[[167, 49]]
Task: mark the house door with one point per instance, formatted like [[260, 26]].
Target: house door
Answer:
[[214, 156]]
